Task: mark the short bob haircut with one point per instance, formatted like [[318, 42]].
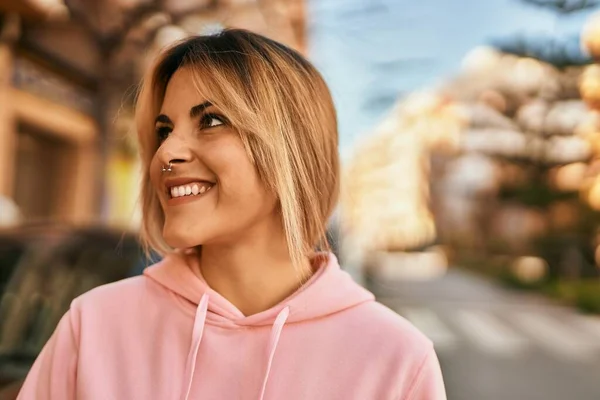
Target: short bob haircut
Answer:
[[284, 113]]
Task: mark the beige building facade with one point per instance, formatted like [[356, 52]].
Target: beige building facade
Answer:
[[47, 130], [67, 78]]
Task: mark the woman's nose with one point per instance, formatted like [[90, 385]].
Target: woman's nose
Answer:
[[174, 150]]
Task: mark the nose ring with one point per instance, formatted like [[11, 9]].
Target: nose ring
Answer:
[[168, 168]]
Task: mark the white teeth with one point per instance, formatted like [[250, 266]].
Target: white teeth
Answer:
[[188, 190]]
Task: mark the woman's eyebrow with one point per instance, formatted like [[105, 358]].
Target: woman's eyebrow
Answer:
[[197, 110], [194, 112], [163, 119]]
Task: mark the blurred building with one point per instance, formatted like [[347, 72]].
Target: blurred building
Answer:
[[386, 194], [526, 181], [47, 124], [68, 73], [509, 167]]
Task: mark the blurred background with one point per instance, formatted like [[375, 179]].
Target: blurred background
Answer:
[[470, 140]]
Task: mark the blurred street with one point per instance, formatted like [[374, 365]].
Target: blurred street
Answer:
[[496, 344], [469, 134]]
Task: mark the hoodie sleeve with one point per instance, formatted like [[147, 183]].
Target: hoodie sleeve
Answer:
[[428, 383], [52, 376]]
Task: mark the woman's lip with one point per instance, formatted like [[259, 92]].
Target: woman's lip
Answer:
[[202, 188], [173, 201], [170, 182]]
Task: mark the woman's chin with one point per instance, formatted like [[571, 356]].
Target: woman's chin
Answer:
[[179, 240]]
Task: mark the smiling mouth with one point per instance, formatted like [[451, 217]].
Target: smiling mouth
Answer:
[[189, 189]]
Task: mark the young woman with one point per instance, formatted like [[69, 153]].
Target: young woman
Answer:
[[238, 138]]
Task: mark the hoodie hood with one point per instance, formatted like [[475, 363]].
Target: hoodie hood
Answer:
[[328, 291]]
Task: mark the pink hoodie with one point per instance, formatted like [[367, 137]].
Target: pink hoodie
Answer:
[[167, 335]]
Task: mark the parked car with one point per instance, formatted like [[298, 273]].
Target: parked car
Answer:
[[42, 269]]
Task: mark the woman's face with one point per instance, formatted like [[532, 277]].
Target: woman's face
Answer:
[[213, 193]]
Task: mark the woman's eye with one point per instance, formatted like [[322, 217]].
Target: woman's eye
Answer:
[[162, 133], [211, 121]]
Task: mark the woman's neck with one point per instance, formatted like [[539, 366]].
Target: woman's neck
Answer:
[[253, 275]]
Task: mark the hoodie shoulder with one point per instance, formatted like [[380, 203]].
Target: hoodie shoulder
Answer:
[[119, 294], [385, 324], [404, 352]]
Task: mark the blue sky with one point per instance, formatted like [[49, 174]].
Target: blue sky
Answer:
[[373, 51]]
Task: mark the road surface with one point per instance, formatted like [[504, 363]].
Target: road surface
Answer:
[[496, 344]]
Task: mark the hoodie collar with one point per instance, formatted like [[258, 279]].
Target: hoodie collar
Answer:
[[328, 291]]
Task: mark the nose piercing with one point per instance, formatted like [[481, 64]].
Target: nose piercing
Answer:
[[168, 168]]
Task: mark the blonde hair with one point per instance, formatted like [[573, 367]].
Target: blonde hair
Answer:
[[284, 113]]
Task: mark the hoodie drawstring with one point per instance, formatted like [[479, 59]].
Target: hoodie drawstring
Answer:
[[275, 334], [199, 321], [196, 339]]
